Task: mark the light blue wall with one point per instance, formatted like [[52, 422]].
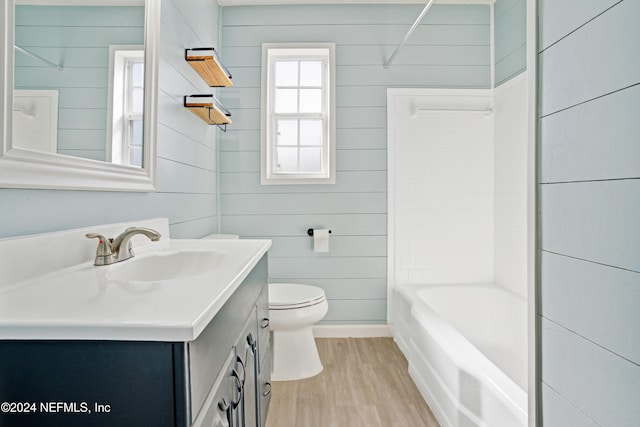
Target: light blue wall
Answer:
[[186, 151], [510, 39], [450, 49], [77, 38], [589, 64]]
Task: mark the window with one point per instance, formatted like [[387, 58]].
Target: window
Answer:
[[298, 114], [126, 92]]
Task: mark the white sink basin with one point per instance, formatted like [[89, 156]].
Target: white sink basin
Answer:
[[162, 266], [168, 292]]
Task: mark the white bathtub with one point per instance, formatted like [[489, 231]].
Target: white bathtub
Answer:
[[467, 350]]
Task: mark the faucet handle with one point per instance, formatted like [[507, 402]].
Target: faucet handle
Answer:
[[104, 254]]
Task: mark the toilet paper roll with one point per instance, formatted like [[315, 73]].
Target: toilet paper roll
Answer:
[[321, 240]]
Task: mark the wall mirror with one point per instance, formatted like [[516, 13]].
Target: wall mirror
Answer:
[[79, 94]]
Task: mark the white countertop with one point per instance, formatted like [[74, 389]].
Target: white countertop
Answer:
[[80, 303]]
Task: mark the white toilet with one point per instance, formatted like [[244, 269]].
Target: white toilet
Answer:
[[293, 310]]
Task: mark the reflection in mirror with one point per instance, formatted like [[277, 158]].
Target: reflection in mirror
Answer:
[[78, 79], [62, 66], [126, 102]]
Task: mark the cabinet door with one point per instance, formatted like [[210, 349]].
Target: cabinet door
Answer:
[[207, 353], [264, 361], [247, 355], [262, 306], [217, 410], [264, 392]]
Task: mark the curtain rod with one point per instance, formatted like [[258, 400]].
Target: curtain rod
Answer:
[[409, 33], [38, 57], [481, 111]]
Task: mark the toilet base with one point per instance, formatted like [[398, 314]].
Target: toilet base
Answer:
[[294, 355]]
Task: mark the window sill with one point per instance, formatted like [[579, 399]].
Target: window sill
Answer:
[[296, 180]]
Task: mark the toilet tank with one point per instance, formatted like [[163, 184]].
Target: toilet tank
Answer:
[[221, 236]]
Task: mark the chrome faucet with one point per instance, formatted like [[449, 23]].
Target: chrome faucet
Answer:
[[110, 251]]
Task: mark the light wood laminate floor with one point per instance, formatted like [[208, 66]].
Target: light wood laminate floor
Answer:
[[364, 383]]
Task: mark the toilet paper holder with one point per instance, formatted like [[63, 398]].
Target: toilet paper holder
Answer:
[[310, 232]]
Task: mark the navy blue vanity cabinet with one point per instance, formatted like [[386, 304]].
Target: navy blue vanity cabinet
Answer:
[[130, 383], [233, 400], [91, 383]]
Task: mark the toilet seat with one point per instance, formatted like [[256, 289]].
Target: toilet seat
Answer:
[[288, 296]]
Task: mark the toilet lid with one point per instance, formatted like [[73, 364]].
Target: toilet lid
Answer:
[[293, 295]]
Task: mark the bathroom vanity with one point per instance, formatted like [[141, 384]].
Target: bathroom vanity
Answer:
[[78, 347]]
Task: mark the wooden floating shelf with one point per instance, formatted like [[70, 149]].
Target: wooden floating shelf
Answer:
[[207, 63], [206, 107]]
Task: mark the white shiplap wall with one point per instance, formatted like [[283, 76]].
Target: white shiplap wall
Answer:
[[589, 64], [186, 151], [450, 49]]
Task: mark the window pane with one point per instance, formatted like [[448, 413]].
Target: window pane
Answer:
[[137, 74], [287, 159], [137, 133], [295, 135], [310, 132], [310, 100], [310, 160], [287, 73], [137, 100], [287, 132], [136, 156], [311, 73], [286, 101]]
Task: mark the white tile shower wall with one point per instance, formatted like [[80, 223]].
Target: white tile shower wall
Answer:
[[510, 189], [450, 49], [443, 175], [186, 190]]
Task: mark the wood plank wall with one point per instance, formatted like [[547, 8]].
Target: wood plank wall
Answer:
[[78, 38], [450, 49], [589, 69], [186, 151], [510, 39]]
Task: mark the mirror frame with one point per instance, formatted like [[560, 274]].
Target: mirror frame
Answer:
[[21, 168]]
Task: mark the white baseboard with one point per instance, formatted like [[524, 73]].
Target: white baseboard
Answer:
[[351, 331]]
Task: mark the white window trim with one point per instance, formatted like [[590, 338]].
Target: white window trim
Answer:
[[117, 132], [267, 177]]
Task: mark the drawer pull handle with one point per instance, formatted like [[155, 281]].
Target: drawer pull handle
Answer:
[[238, 391], [228, 410], [265, 323], [240, 363], [253, 346], [223, 405], [267, 389]]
